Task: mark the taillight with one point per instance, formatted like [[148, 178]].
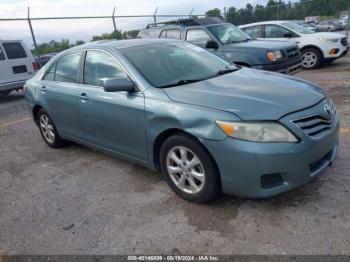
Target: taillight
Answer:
[[35, 66], [25, 87]]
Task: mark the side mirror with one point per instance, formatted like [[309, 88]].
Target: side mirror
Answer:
[[211, 44], [288, 35], [118, 85]]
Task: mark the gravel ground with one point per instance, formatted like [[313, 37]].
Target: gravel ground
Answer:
[[79, 201]]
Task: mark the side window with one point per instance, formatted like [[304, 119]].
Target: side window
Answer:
[[50, 73], [163, 34], [14, 50], [99, 66], [275, 31], [173, 34], [198, 37], [2, 56], [254, 31], [67, 68]]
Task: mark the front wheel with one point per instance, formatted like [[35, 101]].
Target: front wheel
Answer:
[[189, 169], [311, 58]]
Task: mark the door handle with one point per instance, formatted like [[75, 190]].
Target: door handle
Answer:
[[43, 89], [84, 97]]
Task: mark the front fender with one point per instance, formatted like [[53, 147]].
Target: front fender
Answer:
[[164, 114]]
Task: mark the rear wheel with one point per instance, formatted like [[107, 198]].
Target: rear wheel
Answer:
[[189, 169], [312, 58], [48, 130]]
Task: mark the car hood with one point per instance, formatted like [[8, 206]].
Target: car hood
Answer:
[[250, 94], [260, 44], [325, 35]]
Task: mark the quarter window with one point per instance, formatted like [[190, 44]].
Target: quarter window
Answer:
[[67, 68], [99, 66], [198, 37], [50, 74], [2, 56], [275, 31], [14, 50]]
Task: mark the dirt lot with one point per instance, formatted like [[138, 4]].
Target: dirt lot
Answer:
[[79, 201]]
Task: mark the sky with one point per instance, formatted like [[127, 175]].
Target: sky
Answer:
[[85, 29]]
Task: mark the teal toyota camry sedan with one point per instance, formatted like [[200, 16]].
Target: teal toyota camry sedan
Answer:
[[209, 126]]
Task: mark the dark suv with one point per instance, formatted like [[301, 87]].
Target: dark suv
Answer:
[[229, 42]]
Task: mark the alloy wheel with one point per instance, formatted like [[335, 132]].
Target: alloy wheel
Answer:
[[185, 169], [309, 59], [47, 128]]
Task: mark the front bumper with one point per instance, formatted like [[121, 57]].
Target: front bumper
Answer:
[[341, 51], [290, 67], [243, 164]]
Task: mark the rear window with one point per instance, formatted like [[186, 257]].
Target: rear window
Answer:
[[14, 50], [2, 56]]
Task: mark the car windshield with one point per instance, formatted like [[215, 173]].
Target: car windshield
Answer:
[[170, 64], [228, 33], [298, 28]]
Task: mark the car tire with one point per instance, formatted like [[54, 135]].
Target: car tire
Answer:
[[311, 58], [48, 130], [189, 169], [5, 92]]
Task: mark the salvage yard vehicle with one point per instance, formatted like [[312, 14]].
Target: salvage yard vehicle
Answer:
[[17, 65], [209, 126], [229, 42], [315, 47]]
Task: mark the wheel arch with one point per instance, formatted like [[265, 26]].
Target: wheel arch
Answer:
[[35, 111], [163, 136], [314, 47]]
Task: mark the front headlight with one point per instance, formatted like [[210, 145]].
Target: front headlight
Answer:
[[274, 56], [257, 132], [329, 40]]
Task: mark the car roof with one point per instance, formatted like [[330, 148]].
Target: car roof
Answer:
[[120, 44], [266, 22]]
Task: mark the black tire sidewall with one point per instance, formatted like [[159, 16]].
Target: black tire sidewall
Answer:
[[58, 142], [318, 55], [211, 187]]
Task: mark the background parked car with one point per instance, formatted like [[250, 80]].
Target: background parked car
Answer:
[[44, 59], [231, 43], [17, 65], [311, 26], [330, 26], [315, 47]]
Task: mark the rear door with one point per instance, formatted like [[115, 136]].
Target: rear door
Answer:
[[60, 90], [5, 69], [19, 61]]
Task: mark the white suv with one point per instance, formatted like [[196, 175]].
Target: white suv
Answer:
[[315, 47], [17, 65]]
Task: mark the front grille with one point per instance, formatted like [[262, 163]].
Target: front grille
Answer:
[[293, 52], [19, 69], [344, 41], [314, 126]]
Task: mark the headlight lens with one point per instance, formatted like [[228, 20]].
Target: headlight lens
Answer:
[[274, 56], [328, 40], [257, 132]]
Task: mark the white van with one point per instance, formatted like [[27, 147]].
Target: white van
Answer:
[[17, 65]]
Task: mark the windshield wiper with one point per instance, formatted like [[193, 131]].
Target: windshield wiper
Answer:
[[181, 82], [228, 69]]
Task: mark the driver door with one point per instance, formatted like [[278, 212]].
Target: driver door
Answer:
[[111, 120], [279, 33]]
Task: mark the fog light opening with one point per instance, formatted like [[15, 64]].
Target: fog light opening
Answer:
[[334, 51], [271, 180]]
